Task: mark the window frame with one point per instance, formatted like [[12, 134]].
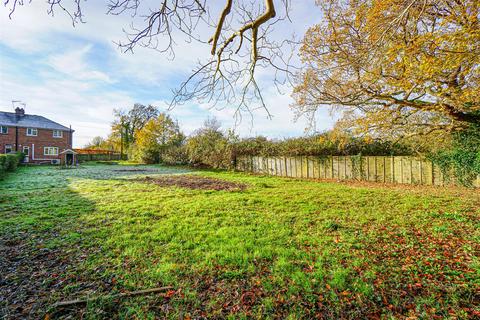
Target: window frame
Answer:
[[57, 136], [31, 133], [45, 153], [1, 129], [9, 146], [27, 154]]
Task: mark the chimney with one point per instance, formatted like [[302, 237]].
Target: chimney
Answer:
[[19, 112]]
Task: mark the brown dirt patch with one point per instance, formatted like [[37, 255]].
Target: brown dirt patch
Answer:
[[132, 170], [195, 182]]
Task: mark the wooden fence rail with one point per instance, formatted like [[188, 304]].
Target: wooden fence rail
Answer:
[[386, 169]]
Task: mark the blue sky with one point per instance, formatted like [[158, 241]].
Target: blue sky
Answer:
[[77, 76]]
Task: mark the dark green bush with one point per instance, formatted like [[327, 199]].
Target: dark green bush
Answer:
[[462, 160], [257, 146], [323, 144], [9, 162], [3, 159], [176, 155], [210, 147]]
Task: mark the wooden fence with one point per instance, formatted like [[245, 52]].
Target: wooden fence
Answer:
[[386, 169], [98, 157]]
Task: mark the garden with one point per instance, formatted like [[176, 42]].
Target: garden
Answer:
[[124, 241]]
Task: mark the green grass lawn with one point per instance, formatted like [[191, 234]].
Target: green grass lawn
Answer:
[[280, 248]]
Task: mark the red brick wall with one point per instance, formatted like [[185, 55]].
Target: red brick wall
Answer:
[[8, 138], [36, 144]]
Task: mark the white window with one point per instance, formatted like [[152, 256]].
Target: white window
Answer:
[[3, 129], [8, 148], [32, 132], [26, 150], [50, 151], [57, 133]]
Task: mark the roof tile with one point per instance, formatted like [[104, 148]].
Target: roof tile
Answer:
[[29, 121]]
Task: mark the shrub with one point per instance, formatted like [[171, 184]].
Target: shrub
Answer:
[[9, 162], [322, 144], [3, 159], [176, 155], [209, 147], [257, 146], [462, 159]]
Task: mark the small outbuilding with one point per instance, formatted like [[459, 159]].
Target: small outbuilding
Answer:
[[68, 157]]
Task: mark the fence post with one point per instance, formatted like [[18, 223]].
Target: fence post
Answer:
[[420, 171], [308, 174], [301, 167], [392, 166], [331, 158], [338, 168], [384, 169], [401, 170], [411, 171], [368, 168], [293, 175], [320, 165], [295, 160]]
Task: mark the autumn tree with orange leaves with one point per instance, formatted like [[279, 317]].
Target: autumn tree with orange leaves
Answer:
[[394, 68], [156, 138]]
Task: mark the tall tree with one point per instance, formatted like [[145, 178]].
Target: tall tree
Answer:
[[394, 67], [127, 123], [156, 137]]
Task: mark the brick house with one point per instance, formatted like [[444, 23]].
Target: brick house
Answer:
[[40, 139]]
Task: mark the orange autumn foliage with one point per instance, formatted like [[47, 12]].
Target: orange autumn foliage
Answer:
[[394, 67]]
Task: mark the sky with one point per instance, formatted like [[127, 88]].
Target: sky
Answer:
[[77, 75]]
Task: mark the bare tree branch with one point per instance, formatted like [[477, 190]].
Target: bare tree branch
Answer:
[[241, 42]]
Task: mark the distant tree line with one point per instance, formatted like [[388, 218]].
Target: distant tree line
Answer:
[[147, 135]]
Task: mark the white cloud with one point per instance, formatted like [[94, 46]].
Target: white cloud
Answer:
[[66, 102], [83, 76], [282, 124], [48, 34], [72, 64]]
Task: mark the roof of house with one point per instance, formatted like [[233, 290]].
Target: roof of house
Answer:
[[68, 151], [29, 121]]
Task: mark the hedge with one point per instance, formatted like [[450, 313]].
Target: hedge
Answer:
[[9, 162]]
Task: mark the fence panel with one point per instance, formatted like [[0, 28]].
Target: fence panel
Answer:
[[98, 157], [386, 169]]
